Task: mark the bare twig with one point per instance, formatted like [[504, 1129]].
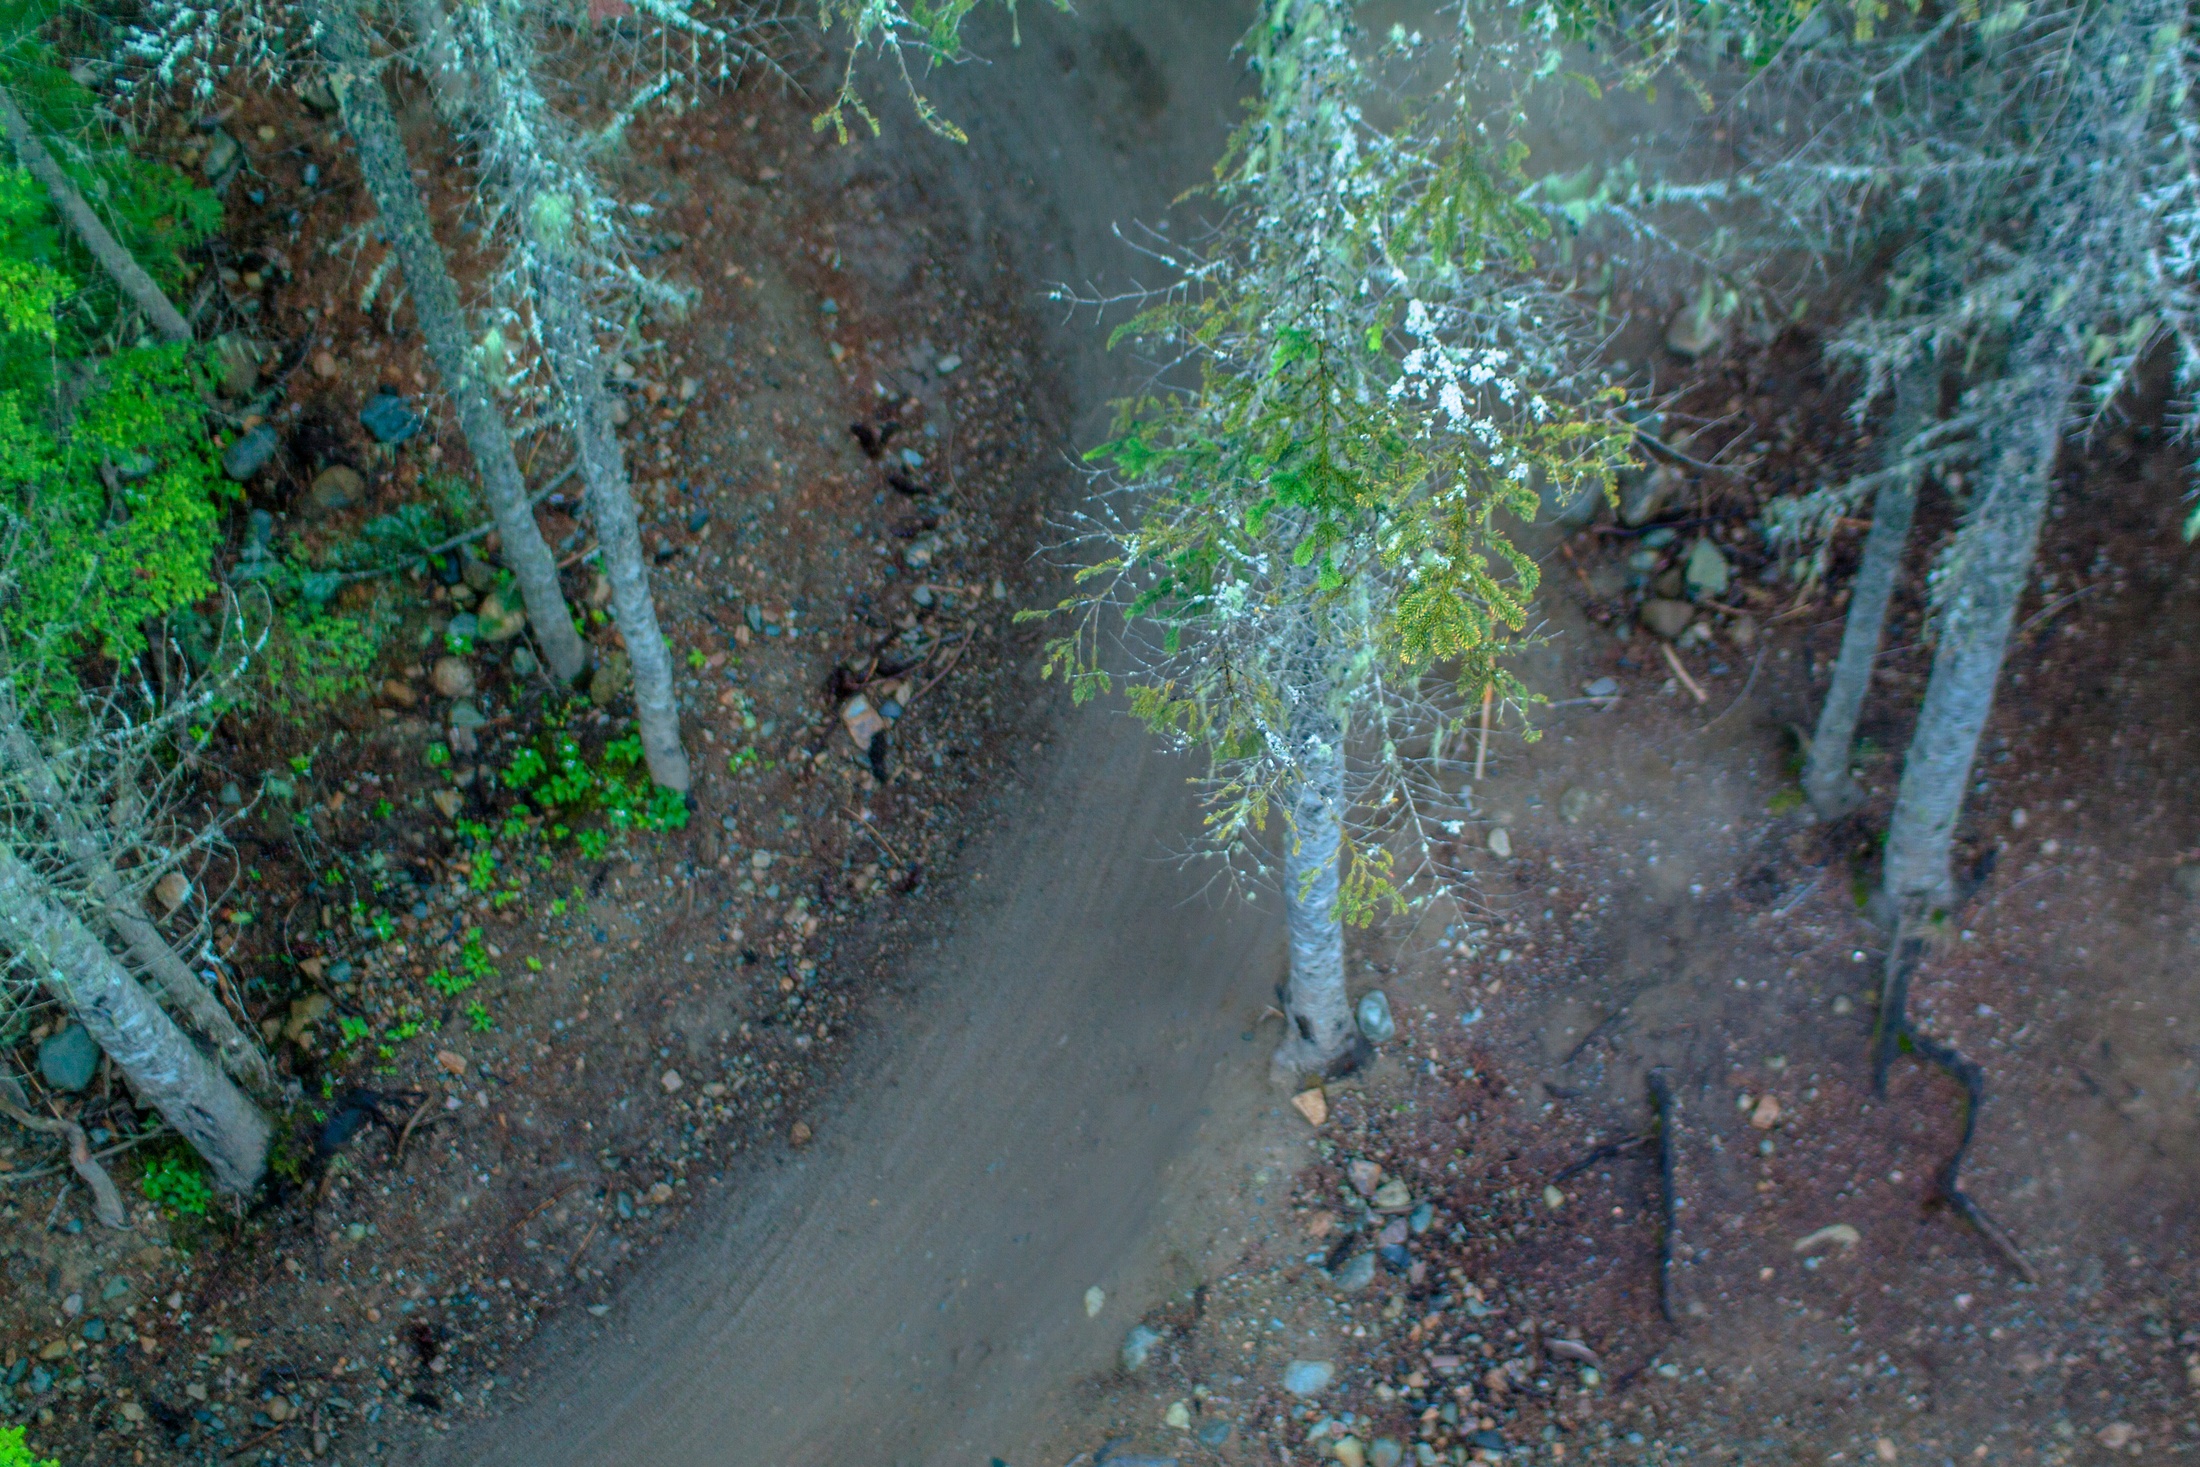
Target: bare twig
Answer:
[[1673, 661], [1482, 749], [865, 826], [1668, 1117]]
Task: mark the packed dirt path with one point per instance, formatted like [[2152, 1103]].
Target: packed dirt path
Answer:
[[911, 1288]]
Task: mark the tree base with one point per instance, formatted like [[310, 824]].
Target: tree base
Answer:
[[1295, 1060]]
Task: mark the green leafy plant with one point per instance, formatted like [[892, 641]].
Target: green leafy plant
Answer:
[[478, 1018], [174, 1180], [448, 983], [14, 1452]]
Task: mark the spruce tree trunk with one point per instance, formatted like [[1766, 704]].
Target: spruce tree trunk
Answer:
[[576, 363], [1316, 1003], [164, 1068], [387, 168], [1826, 780], [1979, 607], [147, 948]]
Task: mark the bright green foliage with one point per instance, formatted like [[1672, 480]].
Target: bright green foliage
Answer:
[[108, 480], [175, 1182], [1314, 546], [556, 773], [13, 1453]]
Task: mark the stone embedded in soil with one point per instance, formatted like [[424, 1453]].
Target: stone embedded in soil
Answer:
[[1138, 1347], [250, 454], [1373, 1016], [1667, 618], [388, 418], [1707, 573], [172, 890], [1766, 1115], [1312, 1104], [1573, 804], [501, 621], [1355, 1273], [336, 487], [453, 677], [1393, 1196], [1308, 1377], [450, 802], [613, 676], [68, 1059], [1365, 1176], [1500, 842]]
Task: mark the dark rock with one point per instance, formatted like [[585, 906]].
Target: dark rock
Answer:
[[250, 454], [336, 487], [388, 418], [69, 1059]]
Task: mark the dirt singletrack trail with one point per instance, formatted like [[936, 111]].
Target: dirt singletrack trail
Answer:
[[910, 1288]]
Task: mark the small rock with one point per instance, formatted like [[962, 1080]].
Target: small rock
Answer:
[[479, 576], [1374, 1017], [1573, 804], [304, 1014], [222, 153], [399, 694], [279, 1409], [324, 364], [1096, 1299], [660, 1193], [465, 627], [464, 715], [1213, 1434], [523, 662], [1178, 1416], [1138, 1347], [388, 419], [449, 1062], [1603, 687], [2117, 1435], [1423, 1217], [1355, 1273], [1743, 632], [69, 1058], [947, 364], [231, 795], [611, 679], [1766, 1115], [453, 677], [95, 1330], [1308, 1377], [1884, 1447], [172, 890], [1640, 501], [1320, 1222], [1313, 1105], [237, 360], [862, 721], [672, 1082], [1365, 1177], [73, 1305], [336, 487], [1553, 1198], [1500, 842], [53, 1350], [1486, 1441], [798, 1134], [1838, 1234], [449, 802], [250, 454], [1385, 1451], [1349, 1452], [1393, 1196], [1668, 618], [1706, 573]]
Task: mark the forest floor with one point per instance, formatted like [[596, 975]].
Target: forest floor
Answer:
[[1666, 907], [1659, 906], [521, 1058]]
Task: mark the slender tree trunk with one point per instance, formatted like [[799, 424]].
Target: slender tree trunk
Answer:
[[1994, 560], [1316, 1002], [387, 168], [89, 230], [1826, 780], [162, 1065], [147, 948], [569, 335]]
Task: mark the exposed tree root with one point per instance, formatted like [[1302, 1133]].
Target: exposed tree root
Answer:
[[1605, 1152], [1892, 1034]]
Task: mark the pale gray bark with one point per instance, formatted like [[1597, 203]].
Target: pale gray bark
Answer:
[[577, 364], [164, 1068], [198, 1004], [1317, 1004], [1827, 783], [387, 168], [1978, 610], [94, 235]]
